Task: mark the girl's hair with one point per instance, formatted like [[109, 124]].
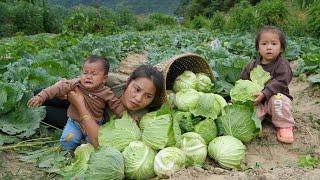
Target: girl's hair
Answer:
[[273, 29], [104, 62], [152, 73]]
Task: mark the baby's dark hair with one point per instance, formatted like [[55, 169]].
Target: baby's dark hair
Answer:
[[151, 73], [104, 62], [273, 29]]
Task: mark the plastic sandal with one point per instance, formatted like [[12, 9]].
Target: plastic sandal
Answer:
[[285, 135]]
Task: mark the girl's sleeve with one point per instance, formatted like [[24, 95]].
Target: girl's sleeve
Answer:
[[245, 74], [280, 81]]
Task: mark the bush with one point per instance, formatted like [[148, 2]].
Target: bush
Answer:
[[314, 18], [53, 19], [85, 19], [296, 24], [28, 18], [161, 19], [217, 22], [241, 17], [271, 12], [199, 22]]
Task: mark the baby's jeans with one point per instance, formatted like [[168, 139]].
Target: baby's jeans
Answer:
[[72, 135], [279, 108]]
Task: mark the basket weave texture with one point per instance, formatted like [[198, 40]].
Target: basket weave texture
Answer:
[[176, 65]]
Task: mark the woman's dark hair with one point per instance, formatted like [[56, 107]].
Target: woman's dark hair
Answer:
[[273, 29], [104, 62], [151, 73]]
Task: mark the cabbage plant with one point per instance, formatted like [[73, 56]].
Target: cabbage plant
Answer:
[[207, 129], [146, 119], [119, 133], [241, 122], [185, 121], [204, 83], [168, 161], [187, 99], [228, 151], [106, 163], [195, 148], [78, 168], [138, 159], [187, 80]]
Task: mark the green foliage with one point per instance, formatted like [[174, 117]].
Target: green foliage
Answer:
[[28, 18], [271, 12], [308, 161], [161, 19], [314, 18], [217, 21], [199, 22], [242, 17], [85, 20]]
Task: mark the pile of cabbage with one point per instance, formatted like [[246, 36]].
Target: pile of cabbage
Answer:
[[194, 124]]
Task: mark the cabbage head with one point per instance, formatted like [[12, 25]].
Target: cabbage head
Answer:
[[240, 122], [146, 119], [187, 80], [79, 167], [259, 76], [185, 121], [204, 83], [138, 160], [228, 151], [168, 161], [195, 148], [156, 133], [106, 163], [10, 95], [187, 99], [207, 106], [207, 129], [174, 138], [244, 90], [119, 133]]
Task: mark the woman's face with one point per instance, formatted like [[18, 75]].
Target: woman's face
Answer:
[[139, 94]]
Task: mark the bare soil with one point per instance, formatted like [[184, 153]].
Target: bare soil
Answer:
[[266, 158]]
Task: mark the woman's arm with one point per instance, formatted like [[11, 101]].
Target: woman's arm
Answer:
[[89, 126]]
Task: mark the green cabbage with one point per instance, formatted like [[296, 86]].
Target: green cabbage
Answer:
[[207, 129], [156, 133], [187, 99], [244, 90], [10, 95], [138, 159], [79, 167], [207, 106], [146, 119], [106, 163], [185, 121], [241, 122], [187, 80], [195, 148], [228, 151], [259, 76], [174, 138], [168, 161], [204, 83], [119, 133]]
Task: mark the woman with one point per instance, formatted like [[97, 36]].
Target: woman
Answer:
[[138, 95]]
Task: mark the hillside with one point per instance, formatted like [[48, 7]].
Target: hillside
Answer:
[[138, 6]]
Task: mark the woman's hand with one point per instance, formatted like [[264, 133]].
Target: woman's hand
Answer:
[[259, 97], [88, 125], [76, 98]]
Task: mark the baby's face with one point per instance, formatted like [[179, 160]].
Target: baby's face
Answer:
[[93, 75]]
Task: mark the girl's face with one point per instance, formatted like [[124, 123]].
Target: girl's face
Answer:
[[93, 75], [269, 46], [139, 94]]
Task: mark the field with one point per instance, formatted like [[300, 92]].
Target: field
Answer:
[[31, 62]]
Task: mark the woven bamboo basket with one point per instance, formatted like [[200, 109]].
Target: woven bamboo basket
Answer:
[[176, 65]]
